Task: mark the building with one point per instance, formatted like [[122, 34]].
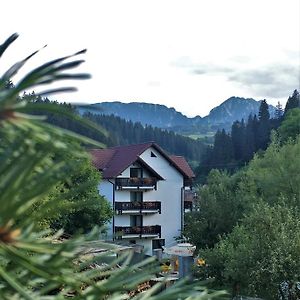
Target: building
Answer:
[[146, 188]]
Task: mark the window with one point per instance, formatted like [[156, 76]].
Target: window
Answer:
[[158, 244], [153, 154], [136, 172]]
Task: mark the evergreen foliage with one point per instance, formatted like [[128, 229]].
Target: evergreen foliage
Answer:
[[36, 264], [121, 132], [126, 132], [292, 102], [233, 150], [247, 225], [290, 127]]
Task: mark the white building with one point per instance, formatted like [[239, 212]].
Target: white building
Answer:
[[146, 188]]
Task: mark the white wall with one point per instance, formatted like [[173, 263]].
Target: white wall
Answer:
[[168, 193], [147, 243]]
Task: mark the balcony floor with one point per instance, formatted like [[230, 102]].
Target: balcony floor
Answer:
[[138, 212]]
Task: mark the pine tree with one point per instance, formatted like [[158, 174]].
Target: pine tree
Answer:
[[263, 113], [264, 130], [293, 102], [238, 139], [41, 265], [279, 111], [249, 139]]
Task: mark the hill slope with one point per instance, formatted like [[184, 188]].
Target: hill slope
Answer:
[[222, 116]]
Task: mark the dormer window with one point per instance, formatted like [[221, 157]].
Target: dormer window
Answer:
[[136, 172], [153, 154]]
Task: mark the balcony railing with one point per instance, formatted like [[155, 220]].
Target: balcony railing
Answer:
[[188, 205], [141, 207], [136, 183], [141, 231]]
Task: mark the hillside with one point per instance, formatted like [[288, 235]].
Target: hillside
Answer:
[[143, 113], [156, 115]]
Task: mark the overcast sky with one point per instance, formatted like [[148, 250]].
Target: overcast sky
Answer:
[[190, 55]]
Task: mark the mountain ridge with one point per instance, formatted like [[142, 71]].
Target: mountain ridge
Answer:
[[159, 115]]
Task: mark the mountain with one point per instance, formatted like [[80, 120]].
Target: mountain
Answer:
[[232, 109], [156, 115]]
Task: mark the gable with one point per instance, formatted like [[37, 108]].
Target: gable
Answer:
[[113, 161]]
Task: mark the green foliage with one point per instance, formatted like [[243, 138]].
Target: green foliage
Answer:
[[263, 113], [292, 102], [260, 253], [290, 127], [259, 246], [276, 174], [127, 132], [232, 151], [39, 265], [83, 207], [220, 207]]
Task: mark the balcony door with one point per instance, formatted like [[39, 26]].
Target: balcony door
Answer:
[[136, 197], [136, 221]]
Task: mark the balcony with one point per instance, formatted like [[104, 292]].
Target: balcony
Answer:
[[188, 205], [138, 231], [149, 207], [135, 183], [188, 182]]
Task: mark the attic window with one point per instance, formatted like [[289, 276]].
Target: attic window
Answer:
[[152, 154]]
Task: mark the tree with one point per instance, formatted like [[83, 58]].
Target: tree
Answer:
[[292, 102], [260, 250], [238, 136], [85, 207], [219, 209], [260, 253], [222, 150], [249, 139], [39, 265], [264, 130], [279, 111], [275, 174], [290, 127]]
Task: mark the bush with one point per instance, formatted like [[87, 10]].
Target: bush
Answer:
[[260, 253]]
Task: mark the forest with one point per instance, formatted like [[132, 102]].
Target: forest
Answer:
[[233, 150], [246, 223]]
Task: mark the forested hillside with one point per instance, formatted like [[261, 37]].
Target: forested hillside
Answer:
[[156, 115], [231, 149], [126, 132], [121, 132], [246, 226], [234, 148]]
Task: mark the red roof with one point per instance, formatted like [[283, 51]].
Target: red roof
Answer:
[[113, 161], [183, 165]]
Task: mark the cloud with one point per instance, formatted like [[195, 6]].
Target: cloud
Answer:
[[270, 80], [275, 80]]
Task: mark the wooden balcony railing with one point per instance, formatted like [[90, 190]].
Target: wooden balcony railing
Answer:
[[141, 207], [188, 205], [136, 182], [122, 231]]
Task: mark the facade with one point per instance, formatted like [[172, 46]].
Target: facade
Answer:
[[146, 188]]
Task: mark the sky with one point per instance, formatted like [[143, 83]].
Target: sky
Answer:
[[189, 54]]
